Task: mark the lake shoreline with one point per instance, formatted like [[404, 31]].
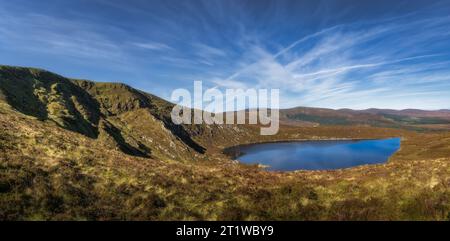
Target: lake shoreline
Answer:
[[316, 155], [228, 151]]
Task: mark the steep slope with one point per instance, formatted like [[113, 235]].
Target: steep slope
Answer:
[[48, 96], [50, 173], [129, 107], [109, 112]]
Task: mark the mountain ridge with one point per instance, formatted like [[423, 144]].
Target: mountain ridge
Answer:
[[94, 109], [84, 105], [81, 150]]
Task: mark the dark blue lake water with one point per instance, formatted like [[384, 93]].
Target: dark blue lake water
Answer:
[[319, 155]]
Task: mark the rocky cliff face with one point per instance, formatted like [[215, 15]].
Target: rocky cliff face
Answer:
[[134, 122]]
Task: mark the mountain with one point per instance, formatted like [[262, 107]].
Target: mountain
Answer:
[[132, 121], [444, 114], [82, 150], [412, 119]]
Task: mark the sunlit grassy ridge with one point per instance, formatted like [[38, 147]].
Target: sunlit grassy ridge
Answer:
[[80, 150]]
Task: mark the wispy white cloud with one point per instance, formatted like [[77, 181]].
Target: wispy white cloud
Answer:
[[153, 46], [43, 33], [208, 51], [342, 65], [229, 84], [361, 61]]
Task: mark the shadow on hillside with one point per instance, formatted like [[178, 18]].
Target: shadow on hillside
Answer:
[[126, 148], [47, 96], [180, 132]]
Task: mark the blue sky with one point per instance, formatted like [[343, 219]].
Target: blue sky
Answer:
[[335, 54]]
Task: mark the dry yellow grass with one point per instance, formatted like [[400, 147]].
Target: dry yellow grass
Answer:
[[81, 151]]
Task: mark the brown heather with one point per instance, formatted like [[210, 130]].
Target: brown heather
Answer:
[[81, 150]]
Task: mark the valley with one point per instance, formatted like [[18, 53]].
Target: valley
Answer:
[[83, 150]]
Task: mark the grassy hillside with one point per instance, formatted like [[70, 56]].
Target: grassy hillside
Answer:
[[104, 111], [81, 150], [407, 119]]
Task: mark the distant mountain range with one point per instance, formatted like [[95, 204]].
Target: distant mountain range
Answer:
[[409, 118]]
